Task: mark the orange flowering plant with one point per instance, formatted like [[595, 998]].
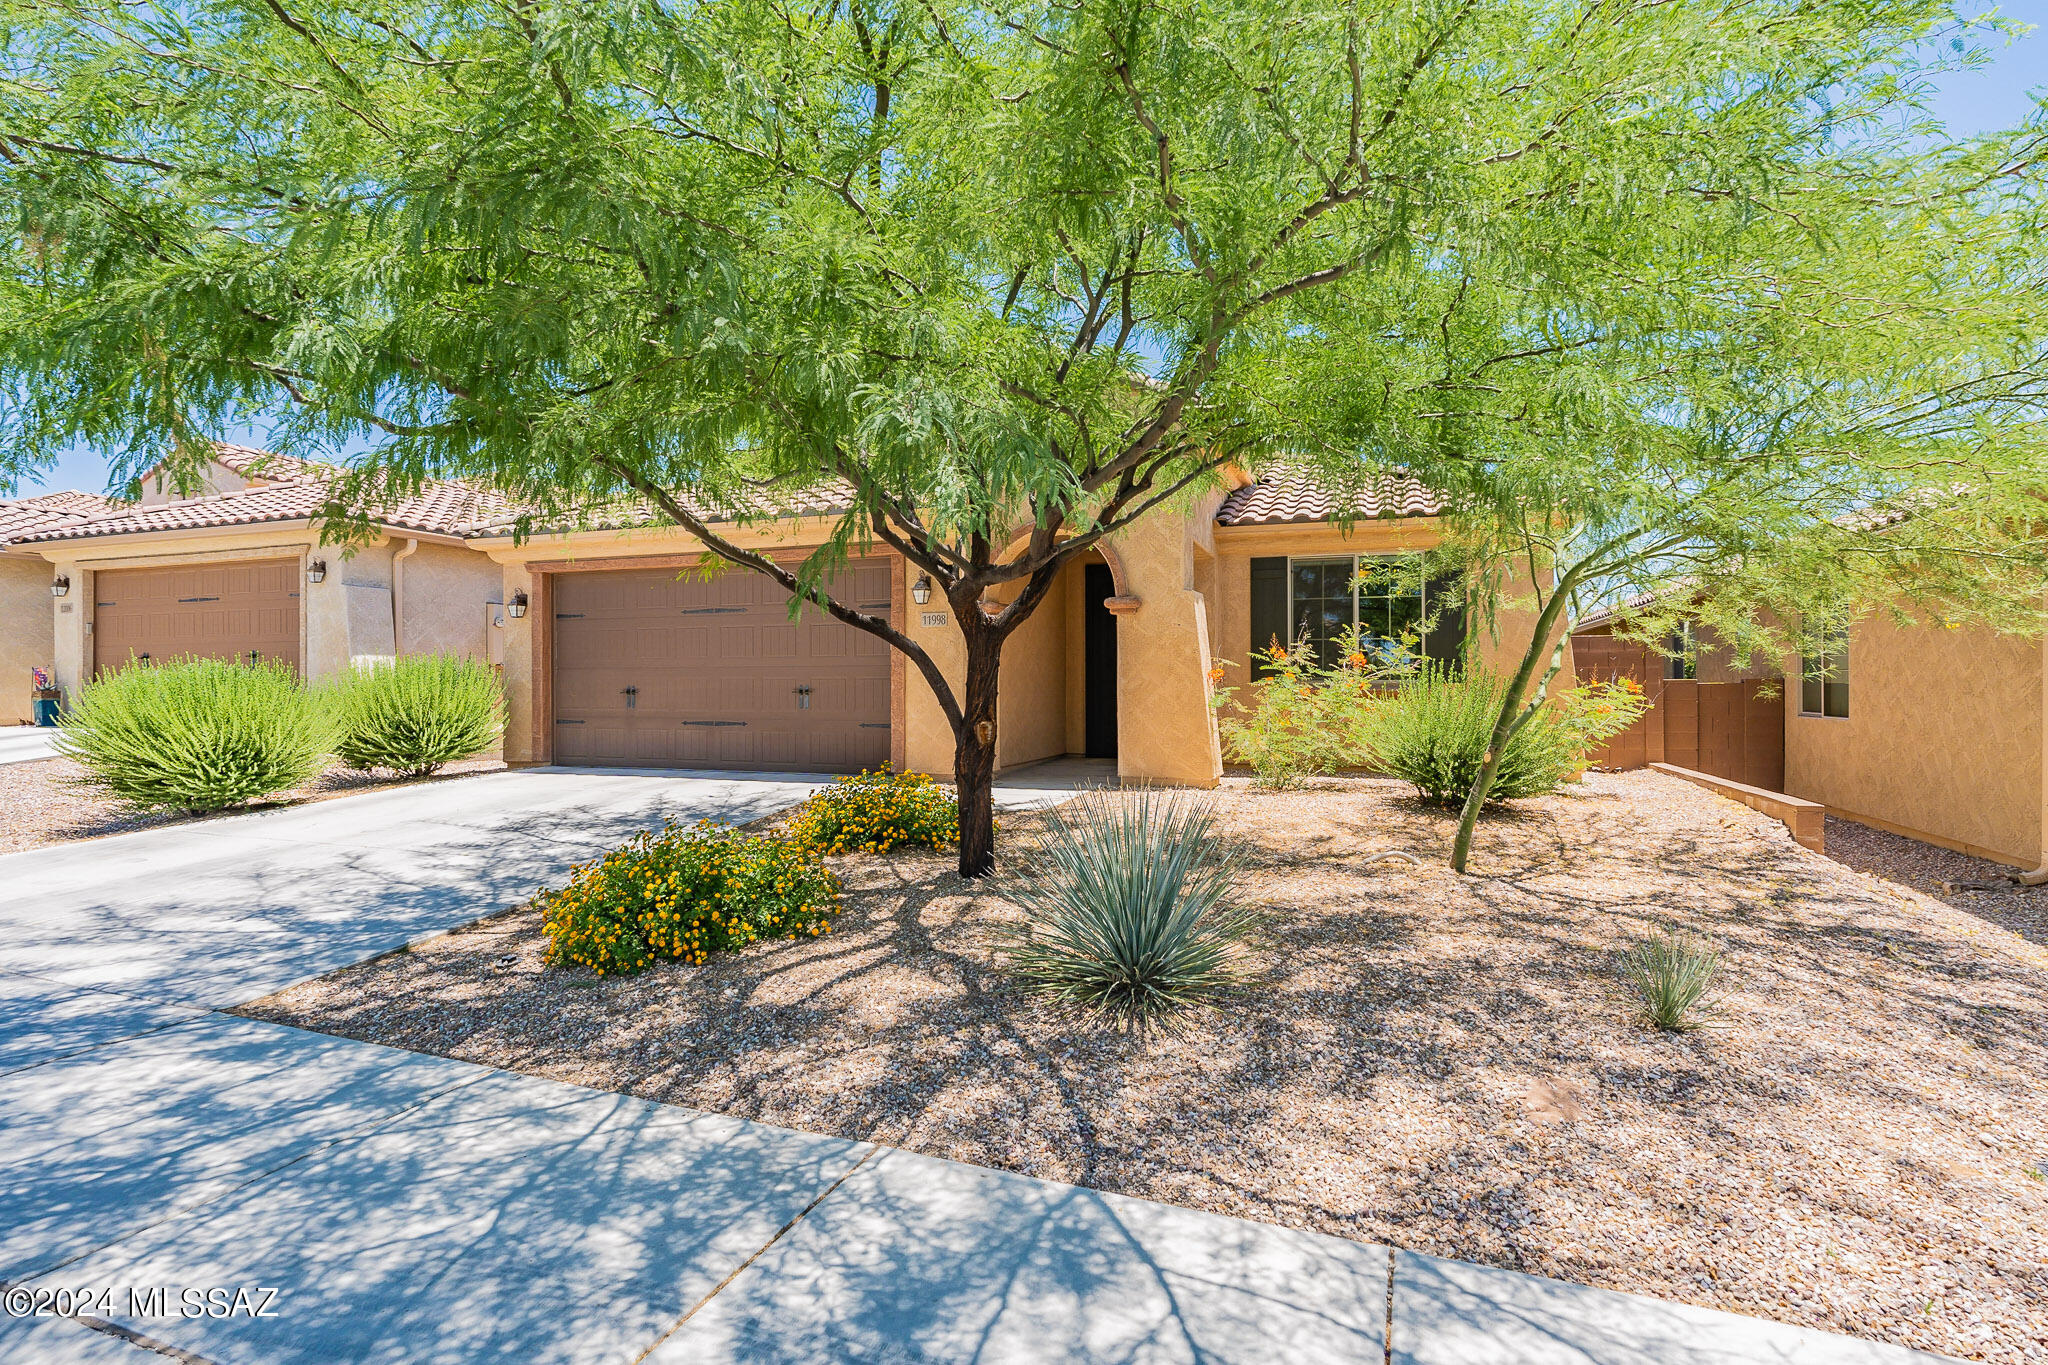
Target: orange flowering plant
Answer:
[[875, 811], [684, 893], [1303, 718]]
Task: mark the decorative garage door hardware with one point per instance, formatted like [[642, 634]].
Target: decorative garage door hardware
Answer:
[[199, 599], [803, 698], [568, 616], [568, 722], [875, 606], [874, 725], [718, 724], [711, 611], [632, 696]]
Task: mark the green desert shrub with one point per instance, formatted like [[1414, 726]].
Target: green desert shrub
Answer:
[[1302, 719], [684, 893], [1432, 732], [193, 734], [1670, 978], [875, 811], [415, 714], [1133, 915]]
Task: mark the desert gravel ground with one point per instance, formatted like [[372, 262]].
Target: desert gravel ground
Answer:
[[41, 802], [1445, 1064], [1975, 886]]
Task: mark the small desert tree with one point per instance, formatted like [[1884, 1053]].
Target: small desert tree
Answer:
[[1865, 424], [1014, 276]]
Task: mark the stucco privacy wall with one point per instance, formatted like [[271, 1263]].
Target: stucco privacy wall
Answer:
[[26, 641], [1237, 546], [1942, 740]]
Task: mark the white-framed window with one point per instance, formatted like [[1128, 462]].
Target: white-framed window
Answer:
[[1824, 678], [1681, 653], [1329, 594]]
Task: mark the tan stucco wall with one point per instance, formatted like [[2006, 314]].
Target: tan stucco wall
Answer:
[[1943, 738], [444, 592], [27, 639], [1031, 707]]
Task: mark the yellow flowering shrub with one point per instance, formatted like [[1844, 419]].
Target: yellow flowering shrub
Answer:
[[875, 811], [684, 893]]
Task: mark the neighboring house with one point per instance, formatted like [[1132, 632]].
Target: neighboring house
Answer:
[[26, 642], [617, 647], [1927, 731], [237, 569]]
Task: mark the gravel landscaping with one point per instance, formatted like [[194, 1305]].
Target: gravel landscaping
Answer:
[[1976, 886], [41, 803], [1446, 1064]]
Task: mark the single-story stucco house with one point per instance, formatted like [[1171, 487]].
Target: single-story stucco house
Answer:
[[617, 649], [1928, 730]]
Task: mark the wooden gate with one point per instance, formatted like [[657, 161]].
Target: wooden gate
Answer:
[[1734, 730]]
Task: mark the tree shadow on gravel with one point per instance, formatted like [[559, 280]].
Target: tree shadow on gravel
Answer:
[[1373, 1079]]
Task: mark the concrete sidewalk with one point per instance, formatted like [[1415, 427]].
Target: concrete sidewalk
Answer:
[[26, 743], [409, 1208]]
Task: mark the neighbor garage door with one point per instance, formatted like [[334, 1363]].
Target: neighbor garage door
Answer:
[[213, 611], [665, 670]]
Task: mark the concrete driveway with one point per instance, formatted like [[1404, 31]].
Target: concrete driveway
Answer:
[[225, 1189], [26, 743], [222, 911]]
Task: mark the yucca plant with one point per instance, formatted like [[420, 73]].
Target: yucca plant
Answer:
[[192, 734], [415, 714], [1133, 912], [1670, 978]]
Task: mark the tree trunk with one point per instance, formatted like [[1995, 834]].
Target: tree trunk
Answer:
[[974, 751], [1513, 714]]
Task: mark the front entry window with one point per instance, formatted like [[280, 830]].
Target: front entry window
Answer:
[[1321, 604]]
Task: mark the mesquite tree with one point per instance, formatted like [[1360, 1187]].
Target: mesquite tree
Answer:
[[1867, 432], [1016, 275]]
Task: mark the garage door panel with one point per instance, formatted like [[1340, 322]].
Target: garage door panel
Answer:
[[717, 665], [226, 611]]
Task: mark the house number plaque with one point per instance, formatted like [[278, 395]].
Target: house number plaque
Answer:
[[934, 618]]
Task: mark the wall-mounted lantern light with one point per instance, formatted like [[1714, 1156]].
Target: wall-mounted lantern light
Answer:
[[517, 606], [59, 586], [316, 571], [921, 591]]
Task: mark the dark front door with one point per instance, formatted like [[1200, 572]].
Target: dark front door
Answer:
[[1099, 658]]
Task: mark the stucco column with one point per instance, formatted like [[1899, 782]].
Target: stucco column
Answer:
[[73, 630], [1166, 729]]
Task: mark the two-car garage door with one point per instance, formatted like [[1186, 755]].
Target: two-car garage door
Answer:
[[246, 609], [661, 668]]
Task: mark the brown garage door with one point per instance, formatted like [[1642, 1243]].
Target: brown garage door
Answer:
[[213, 611], [666, 671]]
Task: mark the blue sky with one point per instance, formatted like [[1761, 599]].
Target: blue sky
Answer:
[[1997, 95]]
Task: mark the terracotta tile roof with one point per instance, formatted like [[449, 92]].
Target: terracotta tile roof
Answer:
[[299, 494], [1287, 496], [1601, 617], [820, 499], [267, 465], [26, 516]]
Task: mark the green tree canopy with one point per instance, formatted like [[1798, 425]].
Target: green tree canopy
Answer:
[[1028, 269]]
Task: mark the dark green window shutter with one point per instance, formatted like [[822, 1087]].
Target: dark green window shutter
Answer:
[[1446, 602], [1269, 609]]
